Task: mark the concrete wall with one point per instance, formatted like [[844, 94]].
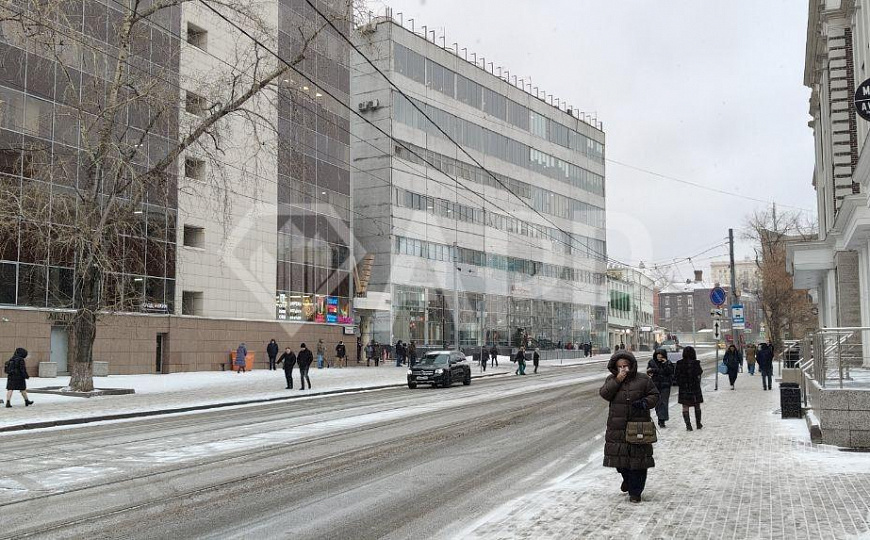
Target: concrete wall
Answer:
[[844, 415], [129, 342]]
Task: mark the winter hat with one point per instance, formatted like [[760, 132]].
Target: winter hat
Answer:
[[620, 355], [21, 352], [303, 345]]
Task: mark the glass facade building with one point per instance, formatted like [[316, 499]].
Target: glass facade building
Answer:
[[502, 233]]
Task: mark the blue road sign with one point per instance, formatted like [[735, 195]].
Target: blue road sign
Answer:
[[717, 296]]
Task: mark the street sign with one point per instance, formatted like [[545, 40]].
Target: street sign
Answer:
[[738, 322], [717, 331], [862, 100], [717, 296]]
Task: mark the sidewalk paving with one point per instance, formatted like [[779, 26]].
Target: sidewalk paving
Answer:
[[747, 474], [208, 388]]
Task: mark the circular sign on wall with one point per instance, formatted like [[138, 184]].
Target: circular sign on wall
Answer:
[[862, 100]]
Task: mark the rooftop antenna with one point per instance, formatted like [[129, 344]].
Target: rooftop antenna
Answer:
[[491, 69], [465, 53], [433, 35], [456, 49], [401, 21], [425, 33], [444, 41], [499, 72], [474, 55], [412, 25]]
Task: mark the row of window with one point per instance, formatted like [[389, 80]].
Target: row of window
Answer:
[[494, 144], [444, 80], [312, 252], [442, 252], [561, 242], [542, 200]]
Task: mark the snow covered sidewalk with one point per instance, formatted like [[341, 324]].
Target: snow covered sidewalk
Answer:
[[747, 474], [206, 388]]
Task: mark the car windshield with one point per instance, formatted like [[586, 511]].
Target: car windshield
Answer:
[[431, 359], [668, 343]]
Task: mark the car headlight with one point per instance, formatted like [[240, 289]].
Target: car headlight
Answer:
[[410, 372], [439, 371]]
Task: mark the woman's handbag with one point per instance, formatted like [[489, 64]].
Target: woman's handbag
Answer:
[[723, 369], [642, 432]]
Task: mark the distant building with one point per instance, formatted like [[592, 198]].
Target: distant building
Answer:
[[630, 311], [748, 278]]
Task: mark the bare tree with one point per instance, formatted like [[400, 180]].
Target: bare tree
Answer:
[[786, 310], [125, 122]]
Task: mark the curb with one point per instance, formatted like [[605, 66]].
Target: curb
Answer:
[[161, 412]]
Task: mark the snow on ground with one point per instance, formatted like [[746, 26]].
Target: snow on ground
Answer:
[[748, 474], [170, 391]]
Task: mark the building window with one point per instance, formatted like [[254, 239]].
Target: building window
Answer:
[[191, 303], [197, 37], [194, 169], [194, 236], [195, 104], [667, 300], [667, 313]]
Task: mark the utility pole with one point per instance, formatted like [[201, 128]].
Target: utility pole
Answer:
[[455, 296], [735, 334]]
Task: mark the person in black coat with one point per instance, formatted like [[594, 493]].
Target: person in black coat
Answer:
[[764, 358], [536, 359], [688, 374], [631, 395], [16, 376], [661, 371], [341, 353], [733, 359], [493, 356], [272, 353], [304, 359], [289, 361]]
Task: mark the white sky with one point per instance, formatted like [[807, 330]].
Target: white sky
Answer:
[[708, 92]]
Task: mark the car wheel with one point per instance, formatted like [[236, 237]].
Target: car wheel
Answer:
[[412, 385], [467, 380], [448, 382]]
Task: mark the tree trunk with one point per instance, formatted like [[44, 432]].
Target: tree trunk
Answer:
[[84, 331]]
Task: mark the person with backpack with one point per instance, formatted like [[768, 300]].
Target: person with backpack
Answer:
[[304, 359], [272, 353], [289, 361], [16, 376]]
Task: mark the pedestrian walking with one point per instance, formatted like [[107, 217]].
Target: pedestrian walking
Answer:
[[359, 347], [370, 352], [400, 354], [536, 358], [288, 359], [688, 372], [272, 352], [16, 376], [732, 361], [521, 362], [493, 356], [412, 354], [304, 360], [241, 355], [765, 365], [631, 395], [341, 353], [751, 353], [661, 371], [377, 353], [321, 353]]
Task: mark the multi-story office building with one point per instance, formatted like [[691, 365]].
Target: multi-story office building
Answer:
[[253, 246], [480, 189], [836, 265]]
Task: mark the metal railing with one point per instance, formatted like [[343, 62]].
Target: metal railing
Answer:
[[835, 353]]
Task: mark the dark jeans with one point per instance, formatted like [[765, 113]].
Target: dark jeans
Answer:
[[288, 374], [767, 379], [662, 405], [535, 363], [272, 363], [303, 376], [636, 480], [493, 360], [732, 376]]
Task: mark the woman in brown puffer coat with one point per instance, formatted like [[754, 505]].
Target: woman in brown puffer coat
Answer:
[[631, 396]]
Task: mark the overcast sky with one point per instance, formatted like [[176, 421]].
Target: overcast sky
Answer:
[[707, 92]]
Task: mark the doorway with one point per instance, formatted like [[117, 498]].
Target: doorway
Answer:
[[59, 349], [160, 356]]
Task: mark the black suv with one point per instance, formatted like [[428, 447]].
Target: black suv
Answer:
[[440, 367]]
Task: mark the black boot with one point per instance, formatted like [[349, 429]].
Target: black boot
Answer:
[[688, 422], [698, 418], [661, 423], [8, 404]]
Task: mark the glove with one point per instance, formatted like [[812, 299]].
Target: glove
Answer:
[[640, 404]]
